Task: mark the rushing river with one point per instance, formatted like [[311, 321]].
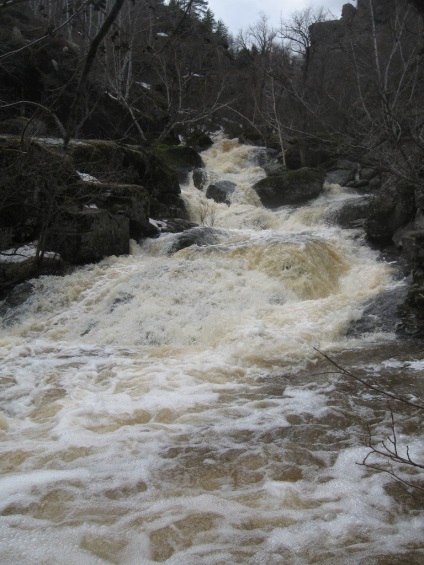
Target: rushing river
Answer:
[[170, 406]]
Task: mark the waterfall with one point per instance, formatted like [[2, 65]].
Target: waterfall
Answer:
[[170, 406]]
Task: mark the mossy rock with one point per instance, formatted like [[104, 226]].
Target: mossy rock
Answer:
[[392, 208], [33, 185], [412, 311], [109, 162], [181, 159], [129, 200], [290, 188], [12, 274], [88, 235], [126, 164], [168, 206]]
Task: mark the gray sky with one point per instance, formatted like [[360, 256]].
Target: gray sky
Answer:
[[238, 14]]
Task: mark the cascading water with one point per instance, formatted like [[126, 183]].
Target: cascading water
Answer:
[[170, 407]]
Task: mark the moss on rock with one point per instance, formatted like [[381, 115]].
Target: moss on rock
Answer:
[[291, 187]]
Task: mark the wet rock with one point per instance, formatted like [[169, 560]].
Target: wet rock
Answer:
[[180, 159], [200, 141], [174, 225], [293, 187], [32, 184], [200, 178], [221, 191], [357, 184], [293, 157], [392, 208], [86, 236], [131, 201], [264, 155], [368, 173], [13, 273], [200, 236], [274, 169], [341, 172], [381, 313], [412, 310], [168, 206], [413, 247], [350, 213]]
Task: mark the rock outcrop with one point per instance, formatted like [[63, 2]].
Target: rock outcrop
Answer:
[[221, 191], [290, 188], [83, 204], [88, 235]]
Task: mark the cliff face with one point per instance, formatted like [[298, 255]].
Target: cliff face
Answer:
[[365, 83], [370, 52]]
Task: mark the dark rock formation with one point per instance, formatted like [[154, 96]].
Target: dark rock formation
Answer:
[[11, 273], [174, 225], [88, 235], [341, 172], [412, 310], [200, 178], [274, 169], [380, 313], [129, 200], [413, 248], [221, 191], [180, 159], [294, 187], [32, 183], [350, 213], [44, 198], [199, 235], [391, 209]]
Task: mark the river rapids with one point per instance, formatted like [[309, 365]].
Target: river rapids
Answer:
[[171, 406]]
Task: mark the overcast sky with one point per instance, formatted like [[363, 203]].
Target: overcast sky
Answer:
[[238, 14]]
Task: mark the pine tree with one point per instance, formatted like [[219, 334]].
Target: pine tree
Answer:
[[222, 29], [208, 20], [197, 8]]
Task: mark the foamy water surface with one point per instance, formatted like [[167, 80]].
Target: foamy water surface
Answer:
[[171, 407]]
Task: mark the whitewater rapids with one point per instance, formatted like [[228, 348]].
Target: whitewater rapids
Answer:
[[171, 407]]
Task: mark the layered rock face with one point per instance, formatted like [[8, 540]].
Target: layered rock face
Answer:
[[290, 187], [83, 204], [370, 63]]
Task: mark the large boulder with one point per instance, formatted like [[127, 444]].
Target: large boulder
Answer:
[[109, 162], [165, 206], [200, 178], [392, 208], [221, 191], [33, 184], [412, 310], [274, 168], [181, 159], [341, 172], [413, 247], [129, 200], [350, 213], [292, 187], [13, 272], [199, 235], [88, 235]]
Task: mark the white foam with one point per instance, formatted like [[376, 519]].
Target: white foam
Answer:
[[162, 408]]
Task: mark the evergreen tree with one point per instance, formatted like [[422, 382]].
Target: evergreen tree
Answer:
[[197, 8], [208, 20], [222, 30]]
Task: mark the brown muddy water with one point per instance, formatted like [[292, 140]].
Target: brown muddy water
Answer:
[[171, 407]]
